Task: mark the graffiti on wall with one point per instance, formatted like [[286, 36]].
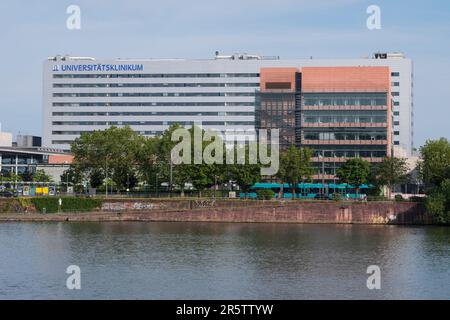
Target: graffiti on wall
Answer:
[[132, 206]]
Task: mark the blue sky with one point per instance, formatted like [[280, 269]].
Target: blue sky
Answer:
[[30, 31]]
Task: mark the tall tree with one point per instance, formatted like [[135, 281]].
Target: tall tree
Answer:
[[295, 166], [41, 176], [391, 171], [435, 163], [112, 151], [245, 174], [435, 171], [438, 202], [355, 171], [72, 176]]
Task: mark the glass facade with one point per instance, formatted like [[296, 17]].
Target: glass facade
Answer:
[[277, 110], [19, 163], [337, 135], [345, 99], [344, 116]]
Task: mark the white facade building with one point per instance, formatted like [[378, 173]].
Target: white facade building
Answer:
[[84, 94]]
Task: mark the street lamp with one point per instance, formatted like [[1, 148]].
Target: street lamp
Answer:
[[171, 176]]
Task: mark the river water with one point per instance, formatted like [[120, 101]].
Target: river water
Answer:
[[171, 260]]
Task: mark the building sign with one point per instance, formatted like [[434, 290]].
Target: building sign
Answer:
[[98, 67]]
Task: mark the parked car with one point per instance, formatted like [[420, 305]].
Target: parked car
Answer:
[[7, 194]]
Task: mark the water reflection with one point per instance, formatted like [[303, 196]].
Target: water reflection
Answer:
[[222, 260]]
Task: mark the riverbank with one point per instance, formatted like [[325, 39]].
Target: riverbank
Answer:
[[226, 210]]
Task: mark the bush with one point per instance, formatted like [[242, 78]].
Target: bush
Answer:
[[436, 206], [69, 204], [438, 203], [9, 205], [374, 191], [265, 194], [337, 196], [398, 197]]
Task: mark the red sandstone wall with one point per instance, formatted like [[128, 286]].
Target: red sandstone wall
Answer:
[[307, 212], [246, 211], [220, 210]]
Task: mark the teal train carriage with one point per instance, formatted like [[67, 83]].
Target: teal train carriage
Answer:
[[310, 191]]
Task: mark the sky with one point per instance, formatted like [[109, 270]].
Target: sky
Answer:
[[31, 31]]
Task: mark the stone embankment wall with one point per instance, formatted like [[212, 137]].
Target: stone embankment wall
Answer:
[[227, 210]]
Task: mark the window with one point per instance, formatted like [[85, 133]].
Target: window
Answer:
[[396, 113], [396, 133], [396, 123], [396, 143], [395, 84], [395, 74], [395, 94], [396, 103]]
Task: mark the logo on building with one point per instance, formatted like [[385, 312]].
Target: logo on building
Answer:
[[55, 67]]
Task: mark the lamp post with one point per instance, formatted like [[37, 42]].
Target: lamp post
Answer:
[[170, 176], [106, 176], [152, 160]]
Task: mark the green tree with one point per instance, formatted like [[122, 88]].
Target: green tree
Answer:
[[202, 175], [41, 176], [391, 171], [72, 176], [246, 174], [113, 151], [147, 157], [27, 176], [438, 202], [435, 163], [435, 171], [354, 171], [96, 178], [295, 166]]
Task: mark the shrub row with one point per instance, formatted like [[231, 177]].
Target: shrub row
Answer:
[[265, 194], [69, 204]]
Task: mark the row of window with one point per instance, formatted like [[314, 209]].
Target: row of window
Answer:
[[148, 123], [344, 136], [20, 160], [68, 132], [350, 153], [6, 171], [151, 85], [345, 119], [345, 99], [153, 104], [157, 94], [159, 75], [155, 113], [10, 159]]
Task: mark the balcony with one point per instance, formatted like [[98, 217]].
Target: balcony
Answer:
[[344, 159], [344, 124], [344, 142], [343, 107]]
